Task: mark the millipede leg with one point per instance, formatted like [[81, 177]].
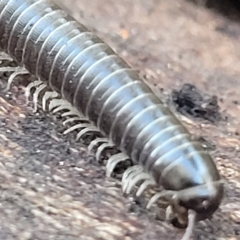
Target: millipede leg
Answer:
[[29, 88], [19, 71], [5, 57], [62, 107], [145, 185], [59, 105], [16, 71], [86, 130], [48, 95], [36, 95], [169, 213], [72, 119], [113, 161], [159, 195], [9, 69], [96, 142], [139, 177], [102, 148], [73, 112], [129, 171], [191, 222], [77, 126], [129, 174]]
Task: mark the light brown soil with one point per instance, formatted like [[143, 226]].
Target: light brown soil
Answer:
[[50, 188]]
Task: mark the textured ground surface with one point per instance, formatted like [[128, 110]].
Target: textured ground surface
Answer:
[[50, 188]]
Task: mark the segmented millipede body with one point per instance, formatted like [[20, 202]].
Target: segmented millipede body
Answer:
[[84, 75]]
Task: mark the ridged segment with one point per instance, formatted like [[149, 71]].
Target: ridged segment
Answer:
[[19, 23], [65, 63], [50, 48], [33, 15], [8, 16], [35, 39]]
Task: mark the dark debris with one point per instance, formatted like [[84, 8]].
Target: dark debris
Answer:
[[191, 102]]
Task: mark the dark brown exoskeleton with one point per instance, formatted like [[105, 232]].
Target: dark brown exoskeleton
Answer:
[[100, 86]]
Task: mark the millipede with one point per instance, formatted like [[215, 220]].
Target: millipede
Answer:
[[101, 94]]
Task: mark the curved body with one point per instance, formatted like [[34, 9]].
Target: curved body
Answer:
[[87, 73]]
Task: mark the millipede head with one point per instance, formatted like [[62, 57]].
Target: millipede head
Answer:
[[203, 199], [191, 205]]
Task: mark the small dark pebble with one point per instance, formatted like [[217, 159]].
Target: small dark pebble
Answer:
[[190, 102]]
